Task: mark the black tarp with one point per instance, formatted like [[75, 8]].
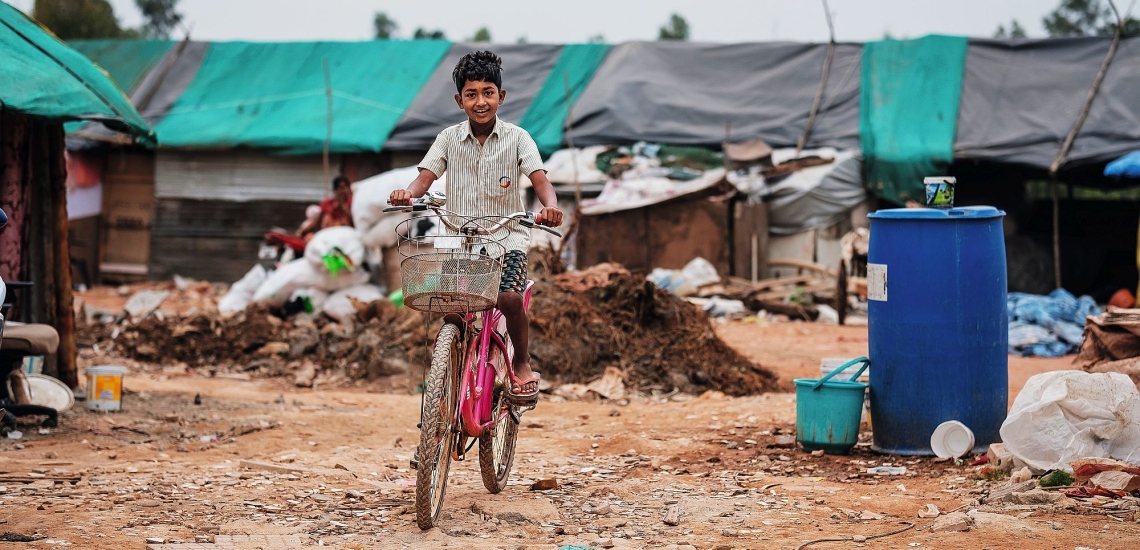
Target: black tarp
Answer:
[[1020, 98], [525, 69], [685, 93]]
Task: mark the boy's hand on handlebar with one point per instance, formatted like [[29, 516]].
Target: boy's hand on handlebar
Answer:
[[400, 197], [550, 217]]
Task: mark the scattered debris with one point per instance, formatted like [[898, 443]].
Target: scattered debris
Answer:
[[928, 511], [952, 523]]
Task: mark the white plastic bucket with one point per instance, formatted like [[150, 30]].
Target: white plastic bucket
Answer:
[[105, 388]]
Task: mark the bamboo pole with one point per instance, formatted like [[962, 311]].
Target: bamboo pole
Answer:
[[1059, 160], [822, 82]]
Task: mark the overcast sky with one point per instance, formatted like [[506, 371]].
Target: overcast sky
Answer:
[[616, 20]]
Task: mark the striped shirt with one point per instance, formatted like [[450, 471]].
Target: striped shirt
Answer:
[[485, 179]]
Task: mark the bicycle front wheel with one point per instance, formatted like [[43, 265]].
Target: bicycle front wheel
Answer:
[[437, 434], [497, 446]]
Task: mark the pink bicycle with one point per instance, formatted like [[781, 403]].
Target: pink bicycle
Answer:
[[466, 393]]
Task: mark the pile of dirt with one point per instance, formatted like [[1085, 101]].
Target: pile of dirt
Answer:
[[581, 323], [383, 343], [619, 319]]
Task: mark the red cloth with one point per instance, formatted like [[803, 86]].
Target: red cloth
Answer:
[[292, 241], [335, 215]]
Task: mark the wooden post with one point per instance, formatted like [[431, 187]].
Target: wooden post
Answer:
[[67, 355], [328, 118]]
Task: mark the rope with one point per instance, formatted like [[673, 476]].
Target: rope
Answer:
[[909, 525]]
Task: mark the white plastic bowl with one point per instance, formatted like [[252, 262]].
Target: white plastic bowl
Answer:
[[952, 439]]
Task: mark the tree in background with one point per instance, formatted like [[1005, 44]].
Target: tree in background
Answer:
[[385, 26], [424, 34], [481, 35], [78, 19], [1085, 18], [597, 39], [1015, 30], [676, 29], [160, 17]]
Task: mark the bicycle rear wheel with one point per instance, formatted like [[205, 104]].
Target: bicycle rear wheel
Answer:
[[497, 446], [437, 436]]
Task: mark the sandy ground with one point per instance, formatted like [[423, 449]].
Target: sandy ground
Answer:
[[330, 468]]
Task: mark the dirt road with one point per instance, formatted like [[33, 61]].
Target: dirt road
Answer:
[[299, 468]]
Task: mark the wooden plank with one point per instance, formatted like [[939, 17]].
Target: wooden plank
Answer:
[[679, 231], [206, 258], [749, 239], [619, 237]]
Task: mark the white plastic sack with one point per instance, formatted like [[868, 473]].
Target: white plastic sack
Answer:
[[240, 294], [316, 296], [560, 166], [281, 284], [339, 306], [370, 196], [324, 241], [1061, 416]]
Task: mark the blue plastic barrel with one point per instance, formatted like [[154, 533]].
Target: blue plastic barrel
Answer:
[[937, 323]]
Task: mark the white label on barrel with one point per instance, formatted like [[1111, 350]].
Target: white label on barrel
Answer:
[[877, 282]]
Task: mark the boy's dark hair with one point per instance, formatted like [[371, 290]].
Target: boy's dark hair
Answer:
[[481, 66], [339, 180]]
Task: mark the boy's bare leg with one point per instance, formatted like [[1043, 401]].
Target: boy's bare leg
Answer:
[[511, 304]]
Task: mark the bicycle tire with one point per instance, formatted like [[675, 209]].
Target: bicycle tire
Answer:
[[437, 438], [497, 446]]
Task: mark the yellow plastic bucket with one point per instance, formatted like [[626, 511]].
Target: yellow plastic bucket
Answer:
[[105, 388]]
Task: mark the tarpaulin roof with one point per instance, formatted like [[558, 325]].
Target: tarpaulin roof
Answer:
[[42, 76], [274, 96], [687, 93], [127, 61], [525, 71], [1020, 99]]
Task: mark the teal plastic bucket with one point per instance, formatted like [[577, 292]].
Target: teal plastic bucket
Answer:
[[828, 411]]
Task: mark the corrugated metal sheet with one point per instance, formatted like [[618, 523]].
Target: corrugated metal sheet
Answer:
[[240, 176]]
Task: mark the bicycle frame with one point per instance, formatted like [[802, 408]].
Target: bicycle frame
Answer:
[[476, 397]]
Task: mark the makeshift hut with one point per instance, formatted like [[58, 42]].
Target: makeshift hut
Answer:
[[43, 84]]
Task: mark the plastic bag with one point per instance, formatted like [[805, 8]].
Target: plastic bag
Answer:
[[1061, 416], [685, 281], [339, 306], [322, 250], [240, 294]]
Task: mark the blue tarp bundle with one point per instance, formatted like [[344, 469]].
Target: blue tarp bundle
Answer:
[[1126, 166], [1047, 326]]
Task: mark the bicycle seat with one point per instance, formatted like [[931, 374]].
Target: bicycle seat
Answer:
[[33, 339]]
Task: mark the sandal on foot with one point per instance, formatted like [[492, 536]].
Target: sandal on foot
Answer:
[[517, 385]]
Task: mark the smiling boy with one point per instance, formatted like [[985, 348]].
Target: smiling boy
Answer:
[[486, 159]]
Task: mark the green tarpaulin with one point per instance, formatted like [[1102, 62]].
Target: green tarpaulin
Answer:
[[39, 75], [273, 95], [546, 116], [127, 61], [909, 112]]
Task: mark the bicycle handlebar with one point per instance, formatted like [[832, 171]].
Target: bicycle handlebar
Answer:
[[525, 219]]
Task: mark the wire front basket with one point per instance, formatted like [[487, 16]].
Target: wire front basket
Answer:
[[448, 273]]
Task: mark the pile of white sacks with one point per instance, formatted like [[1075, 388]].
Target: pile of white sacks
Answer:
[[309, 276]]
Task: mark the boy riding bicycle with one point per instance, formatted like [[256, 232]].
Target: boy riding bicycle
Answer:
[[486, 158]]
